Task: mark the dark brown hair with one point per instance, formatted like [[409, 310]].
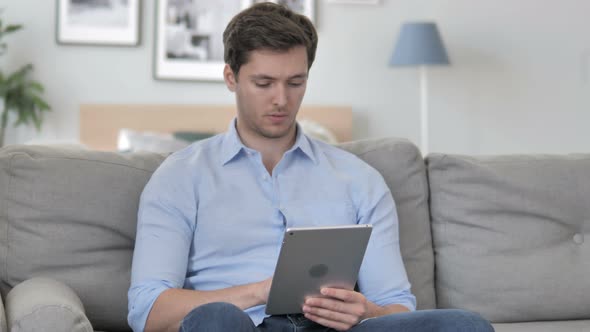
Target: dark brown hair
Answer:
[[267, 26]]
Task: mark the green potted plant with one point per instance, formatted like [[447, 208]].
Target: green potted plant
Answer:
[[19, 93]]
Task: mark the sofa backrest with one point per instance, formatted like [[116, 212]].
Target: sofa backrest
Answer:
[[511, 235], [71, 215], [400, 163]]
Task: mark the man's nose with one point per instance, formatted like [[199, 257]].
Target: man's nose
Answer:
[[280, 95]]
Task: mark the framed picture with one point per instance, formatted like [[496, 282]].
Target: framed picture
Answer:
[[305, 7], [98, 22], [189, 36], [356, 2]]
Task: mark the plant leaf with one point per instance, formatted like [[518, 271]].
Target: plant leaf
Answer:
[[36, 118], [35, 86], [40, 103], [21, 95], [21, 73], [12, 28]]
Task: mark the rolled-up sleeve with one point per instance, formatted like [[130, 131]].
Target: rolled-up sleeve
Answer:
[[166, 222], [383, 278]]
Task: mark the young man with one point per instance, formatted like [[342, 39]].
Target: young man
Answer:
[[211, 218]]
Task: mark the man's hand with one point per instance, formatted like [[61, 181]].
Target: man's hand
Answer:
[[341, 309], [173, 304]]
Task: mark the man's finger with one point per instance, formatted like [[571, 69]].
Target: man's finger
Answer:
[[328, 303], [338, 326], [331, 315], [340, 294]]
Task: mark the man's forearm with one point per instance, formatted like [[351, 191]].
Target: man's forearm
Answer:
[[174, 304]]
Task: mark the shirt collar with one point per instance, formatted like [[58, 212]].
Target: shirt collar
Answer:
[[232, 144], [302, 142]]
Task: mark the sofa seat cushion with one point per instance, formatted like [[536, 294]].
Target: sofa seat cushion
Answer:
[[71, 214], [401, 165], [560, 326], [511, 235], [43, 304]]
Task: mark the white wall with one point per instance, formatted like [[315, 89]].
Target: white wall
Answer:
[[519, 80]]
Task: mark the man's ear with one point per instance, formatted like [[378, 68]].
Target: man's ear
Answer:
[[229, 78]]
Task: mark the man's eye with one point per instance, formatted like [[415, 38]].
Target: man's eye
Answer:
[[262, 84], [295, 84]]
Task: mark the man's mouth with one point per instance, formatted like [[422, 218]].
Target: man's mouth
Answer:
[[278, 117]]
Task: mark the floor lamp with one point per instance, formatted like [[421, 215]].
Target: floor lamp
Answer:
[[419, 45]]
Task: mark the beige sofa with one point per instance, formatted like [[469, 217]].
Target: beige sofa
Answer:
[[506, 236]]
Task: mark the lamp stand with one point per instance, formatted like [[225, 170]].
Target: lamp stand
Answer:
[[423, 111]]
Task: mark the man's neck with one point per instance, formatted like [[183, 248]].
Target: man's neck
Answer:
[[271, 149]]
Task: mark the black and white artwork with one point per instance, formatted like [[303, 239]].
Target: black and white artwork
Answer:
[[356, 2], [100, 22], [305, 7], [189, 37]]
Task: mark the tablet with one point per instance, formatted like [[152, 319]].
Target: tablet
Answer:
[[313, 258]]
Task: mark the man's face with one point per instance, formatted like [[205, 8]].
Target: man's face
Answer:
[[269, 90]]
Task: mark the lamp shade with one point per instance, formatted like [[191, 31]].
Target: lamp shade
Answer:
[[419, 43]]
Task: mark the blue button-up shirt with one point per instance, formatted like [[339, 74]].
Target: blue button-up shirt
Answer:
[[212, 217]]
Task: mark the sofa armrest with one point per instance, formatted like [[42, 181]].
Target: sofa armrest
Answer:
[[43, 304], [3, 327]]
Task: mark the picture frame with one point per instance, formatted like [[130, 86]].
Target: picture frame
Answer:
[[305, 7], [188, 43], [355, 2], [98, 22]]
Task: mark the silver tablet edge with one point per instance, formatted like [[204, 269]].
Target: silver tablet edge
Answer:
[[294, 229]]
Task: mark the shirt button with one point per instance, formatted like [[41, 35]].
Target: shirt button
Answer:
[[265, 177], [578, 238]]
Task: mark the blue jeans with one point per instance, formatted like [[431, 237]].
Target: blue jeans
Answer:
[[227, 317]]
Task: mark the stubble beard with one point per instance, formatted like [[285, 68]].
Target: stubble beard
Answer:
[[270, 134]]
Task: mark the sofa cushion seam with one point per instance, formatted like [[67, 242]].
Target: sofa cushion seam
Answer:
[[5, 209], [88, 160]]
